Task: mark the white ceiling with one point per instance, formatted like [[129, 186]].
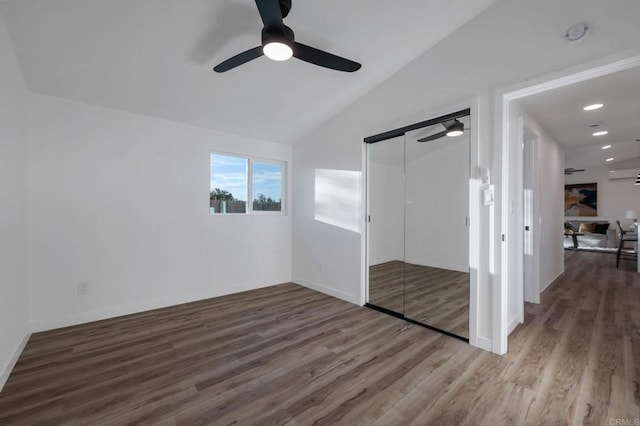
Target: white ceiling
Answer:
[[560, 113], [155, 57]]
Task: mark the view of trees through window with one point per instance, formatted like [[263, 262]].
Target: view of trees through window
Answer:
[[267, 187], [232, 179]]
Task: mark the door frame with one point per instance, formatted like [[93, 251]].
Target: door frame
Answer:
[[511, 213], [531, 285]]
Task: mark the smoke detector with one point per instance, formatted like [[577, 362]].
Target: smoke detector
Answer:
[[577, 32]]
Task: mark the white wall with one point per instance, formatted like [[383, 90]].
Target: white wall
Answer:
[[386, 205], [507, 44], [437, 191], [120, 201], [14, 304], [615, 197], [419, 209], [550, 158]]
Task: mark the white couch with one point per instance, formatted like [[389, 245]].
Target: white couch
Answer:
[[592, 239]]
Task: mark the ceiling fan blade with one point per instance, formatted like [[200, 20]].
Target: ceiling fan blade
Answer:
[[270, 13], [433, 137], [239, 59], [323, 59]]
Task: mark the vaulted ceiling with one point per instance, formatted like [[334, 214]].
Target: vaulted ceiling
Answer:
[[155, 57]]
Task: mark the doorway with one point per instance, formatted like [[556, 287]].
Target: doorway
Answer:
[[531, 218], [513, 245]]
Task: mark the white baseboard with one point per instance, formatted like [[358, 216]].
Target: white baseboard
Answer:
[[551, 282], [351, 298], [6, 371], [484, 343], [117, 311]]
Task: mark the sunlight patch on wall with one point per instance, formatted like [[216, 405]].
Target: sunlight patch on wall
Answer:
[[337, 198]]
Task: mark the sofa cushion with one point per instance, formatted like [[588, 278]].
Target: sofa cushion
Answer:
[[601, 228], [587, 227]]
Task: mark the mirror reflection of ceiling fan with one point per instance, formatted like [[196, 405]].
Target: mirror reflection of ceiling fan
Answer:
[[452, 128], [571, 171]]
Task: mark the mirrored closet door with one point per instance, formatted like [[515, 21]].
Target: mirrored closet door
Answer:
[[418, 235], [386, 224]]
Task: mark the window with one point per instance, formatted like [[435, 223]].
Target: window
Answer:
[[235, 180], [266, 187]]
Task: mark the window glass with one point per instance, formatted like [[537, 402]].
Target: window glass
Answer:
[[244, 185], [267, 187], [228, 184]]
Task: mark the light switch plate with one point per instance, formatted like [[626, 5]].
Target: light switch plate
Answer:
[[487, 196]]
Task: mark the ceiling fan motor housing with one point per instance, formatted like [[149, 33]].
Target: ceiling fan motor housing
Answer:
[[282, 35], [285, 7]]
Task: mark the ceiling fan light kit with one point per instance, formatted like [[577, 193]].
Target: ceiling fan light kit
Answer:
[[455, 129], [277, 51], [278, 43]]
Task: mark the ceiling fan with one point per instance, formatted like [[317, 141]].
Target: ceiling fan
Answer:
[[571, 171], [452, 128], [278, 43]]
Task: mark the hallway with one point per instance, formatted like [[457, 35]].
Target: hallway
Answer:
[[579, 350]]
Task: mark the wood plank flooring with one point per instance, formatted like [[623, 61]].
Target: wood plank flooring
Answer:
[[434, 296], [386, 285], [289, 355]]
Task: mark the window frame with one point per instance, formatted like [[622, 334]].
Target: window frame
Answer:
[[250, 161]]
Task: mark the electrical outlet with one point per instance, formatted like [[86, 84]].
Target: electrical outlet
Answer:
[[83, 289]]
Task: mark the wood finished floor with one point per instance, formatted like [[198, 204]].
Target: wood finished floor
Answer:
[[434, 296], [288, 355]]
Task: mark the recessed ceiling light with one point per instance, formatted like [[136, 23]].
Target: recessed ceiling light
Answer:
[[600, 133], [610, 159], [592, 107], [606, 147]]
